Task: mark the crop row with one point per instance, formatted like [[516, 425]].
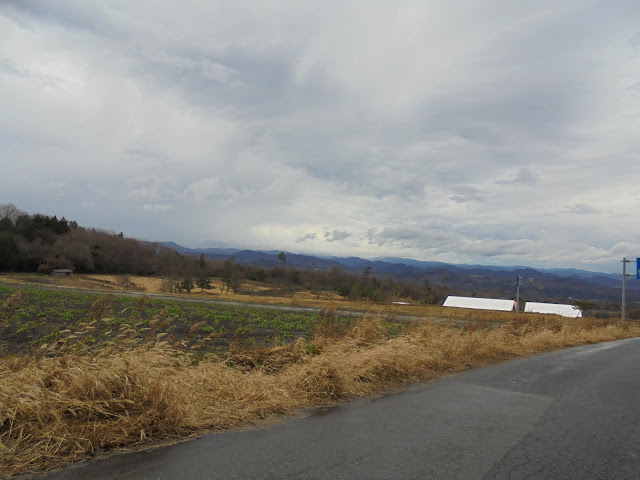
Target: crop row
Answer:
[[35, 317]]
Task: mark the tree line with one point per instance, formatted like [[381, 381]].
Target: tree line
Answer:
[[285, 281], [41, 243]]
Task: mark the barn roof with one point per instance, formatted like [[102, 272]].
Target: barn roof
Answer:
[[553, 308], [479, 303]]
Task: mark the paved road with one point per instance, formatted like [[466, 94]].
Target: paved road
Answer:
[[564, 415]]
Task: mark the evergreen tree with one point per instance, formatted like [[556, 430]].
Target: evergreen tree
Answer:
[[203, 281], [9, 252]]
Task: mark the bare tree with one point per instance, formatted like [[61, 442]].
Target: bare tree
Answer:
[[10, 211]]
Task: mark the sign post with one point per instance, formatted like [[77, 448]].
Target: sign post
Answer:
[[624, 283]]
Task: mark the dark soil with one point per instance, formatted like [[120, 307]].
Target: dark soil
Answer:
[[40, 319]]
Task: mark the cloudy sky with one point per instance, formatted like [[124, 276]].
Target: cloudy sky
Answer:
[[498, 132]]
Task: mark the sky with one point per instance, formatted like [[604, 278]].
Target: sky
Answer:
[[495, 132]]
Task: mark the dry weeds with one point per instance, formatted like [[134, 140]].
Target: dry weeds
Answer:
[[9, 305], [59, 406]]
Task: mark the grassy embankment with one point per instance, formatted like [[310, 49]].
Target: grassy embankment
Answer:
[[82, 393]]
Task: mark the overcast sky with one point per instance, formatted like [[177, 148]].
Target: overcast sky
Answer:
[[498, 132]]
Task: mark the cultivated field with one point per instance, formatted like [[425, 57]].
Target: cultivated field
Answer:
[[154, 285], [85, 374], [86, 321]]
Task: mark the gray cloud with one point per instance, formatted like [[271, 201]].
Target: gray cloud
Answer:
[[335, 236], [462, 194], [210, 123], [524, 177], [157, 207], [580, 209], [306, 236], [12, 68]]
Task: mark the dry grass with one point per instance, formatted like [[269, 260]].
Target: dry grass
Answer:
[[59, 407]]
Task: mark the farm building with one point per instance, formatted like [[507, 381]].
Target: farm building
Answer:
[[62, 272], [554, 308], [480, 303]]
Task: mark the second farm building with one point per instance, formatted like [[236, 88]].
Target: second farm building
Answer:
[[509, 305]]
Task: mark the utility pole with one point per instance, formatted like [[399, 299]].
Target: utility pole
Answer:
[[624, 286], [517, 294]]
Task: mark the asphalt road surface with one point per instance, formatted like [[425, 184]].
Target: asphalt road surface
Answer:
[[568, 414]]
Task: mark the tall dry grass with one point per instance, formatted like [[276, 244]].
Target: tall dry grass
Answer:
[[62, 407]]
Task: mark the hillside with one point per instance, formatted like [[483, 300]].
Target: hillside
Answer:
[[557, 285]]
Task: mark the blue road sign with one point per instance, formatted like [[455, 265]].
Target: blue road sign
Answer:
[[638, 268]]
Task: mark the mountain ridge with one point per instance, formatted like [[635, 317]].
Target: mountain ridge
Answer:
[[537, 284]]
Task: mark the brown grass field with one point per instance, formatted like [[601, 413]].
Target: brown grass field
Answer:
[[59, 406]]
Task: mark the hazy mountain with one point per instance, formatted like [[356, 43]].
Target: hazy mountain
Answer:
[[268, 260], [537, 284], [198, 251]]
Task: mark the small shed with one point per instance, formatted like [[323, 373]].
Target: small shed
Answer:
[[62, 272], [480, 303], [570, 311]]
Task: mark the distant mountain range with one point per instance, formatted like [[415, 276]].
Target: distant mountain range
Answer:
[[560, 285]]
